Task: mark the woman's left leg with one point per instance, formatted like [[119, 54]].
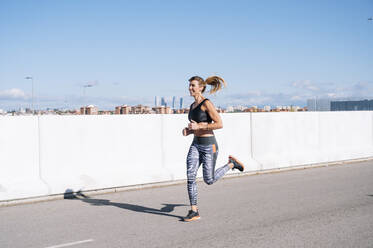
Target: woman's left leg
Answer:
[[209, 154]]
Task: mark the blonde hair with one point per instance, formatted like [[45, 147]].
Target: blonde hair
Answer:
[[215, 82]]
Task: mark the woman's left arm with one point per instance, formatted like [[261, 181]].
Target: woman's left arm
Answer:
[[217, 122]]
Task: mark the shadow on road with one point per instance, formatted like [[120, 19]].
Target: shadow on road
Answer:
[[168, 208]]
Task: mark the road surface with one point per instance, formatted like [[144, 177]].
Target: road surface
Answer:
[[319, 207]]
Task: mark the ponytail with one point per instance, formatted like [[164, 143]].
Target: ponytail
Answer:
[[215, 82]]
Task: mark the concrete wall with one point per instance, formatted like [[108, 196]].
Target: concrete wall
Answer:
[[19, 158], [289, 139], [49, 154]]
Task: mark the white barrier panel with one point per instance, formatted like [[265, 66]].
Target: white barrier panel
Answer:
[[175, 145], [286, 139], [19, 158], [95, 152], [235, 139], [346, 135]]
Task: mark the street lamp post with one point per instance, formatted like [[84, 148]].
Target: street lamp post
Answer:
[[84, 87], [32, 93]]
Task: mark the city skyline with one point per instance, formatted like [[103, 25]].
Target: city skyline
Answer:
[[168, 101], [143, 109], [108, 54]]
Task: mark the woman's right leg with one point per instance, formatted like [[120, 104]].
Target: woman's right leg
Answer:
[[192, 168]]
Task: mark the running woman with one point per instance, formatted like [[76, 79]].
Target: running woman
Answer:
[[204, 119]]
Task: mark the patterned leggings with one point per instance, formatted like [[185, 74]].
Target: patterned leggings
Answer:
[[204, 150]]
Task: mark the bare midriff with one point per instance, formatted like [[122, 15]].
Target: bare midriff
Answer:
[[203, 133]]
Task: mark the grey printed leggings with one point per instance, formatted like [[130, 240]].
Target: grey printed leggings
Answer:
[[204, 150]]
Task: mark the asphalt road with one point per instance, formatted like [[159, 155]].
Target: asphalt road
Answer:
[[319, 207]]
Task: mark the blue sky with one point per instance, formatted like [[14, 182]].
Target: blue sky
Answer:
[[269, 52]]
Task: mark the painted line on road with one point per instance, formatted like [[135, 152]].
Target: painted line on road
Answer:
[[71, 244]]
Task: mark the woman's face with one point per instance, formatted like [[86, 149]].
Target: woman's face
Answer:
[[195, 88]]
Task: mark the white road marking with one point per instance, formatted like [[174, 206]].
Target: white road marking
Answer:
[[71, 244]]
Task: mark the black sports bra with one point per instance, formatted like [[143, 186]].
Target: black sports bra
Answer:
[[196, 114]]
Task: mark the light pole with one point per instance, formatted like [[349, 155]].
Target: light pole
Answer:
[[32, 93], [84, 87]]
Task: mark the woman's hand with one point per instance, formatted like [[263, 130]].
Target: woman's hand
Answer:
[[186, 132], [193, 125]]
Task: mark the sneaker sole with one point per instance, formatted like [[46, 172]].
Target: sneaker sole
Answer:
[[192, 219], [238, 162]]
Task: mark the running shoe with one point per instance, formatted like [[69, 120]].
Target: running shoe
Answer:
[[236, 164], [192, 216]]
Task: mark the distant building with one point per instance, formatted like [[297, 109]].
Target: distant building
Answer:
[[141, 109], [89, 110], [294, 108], [302, 109], [318, 104], [162, 110], [123, 110], [240, 108], [230, 109], [163, 102], [105, 112], [181, 111], [267, 108], [220, 110], [251, 109], [117, 110], [173, 102], [181, 103], [282, 109], [351, 105], [75, 112], [156, 101]]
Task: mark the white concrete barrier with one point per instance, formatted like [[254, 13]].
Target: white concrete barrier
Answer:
[[346, 135], [235, 139], [19, 158], [93, 152], [292, 139], [174, 145], [286, 139], [52, 154]]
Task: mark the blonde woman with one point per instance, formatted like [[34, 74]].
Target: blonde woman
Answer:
[[204, 149]]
